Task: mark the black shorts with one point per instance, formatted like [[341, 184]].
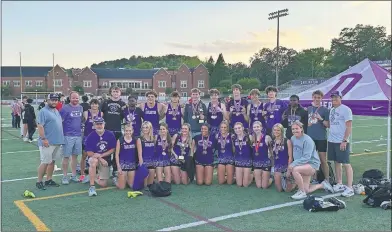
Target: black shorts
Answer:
[[25, 121], [321, 145], [335, 154], [266, 169]]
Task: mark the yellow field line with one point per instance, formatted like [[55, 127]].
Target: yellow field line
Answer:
[[34, 219], [64, 195]]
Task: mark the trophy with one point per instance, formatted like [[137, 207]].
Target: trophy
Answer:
[[201, 112]]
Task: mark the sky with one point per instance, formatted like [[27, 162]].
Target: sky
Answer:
[[82, 33]]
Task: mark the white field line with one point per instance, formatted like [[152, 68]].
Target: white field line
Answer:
[[240, 214], [369, 141], [370, 126], [12, 152], [28, 178]]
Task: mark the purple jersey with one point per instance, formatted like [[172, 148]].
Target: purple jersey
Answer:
[[151, 115], [181, 148], [260, 151], [162, 152], [128, 154], [134, 116], [237, 116], [281, 156], [101, 144], [214, 117], [224, 146], [204, 154], [173, 119], [148, 153], [242, 151], [255, 115], [274, 112], [88, 124]]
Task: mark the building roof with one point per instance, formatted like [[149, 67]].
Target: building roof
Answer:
[[27, 71], [115, 73]]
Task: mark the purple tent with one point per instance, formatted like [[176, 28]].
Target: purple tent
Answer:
[[366, 89]]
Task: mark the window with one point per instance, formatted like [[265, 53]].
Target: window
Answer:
[[86, 84], [6, 83], [57, 83], [162, 84], [70, 83], [201, 94], [106, 84], [16, 83], [184, 84], [200, 84], [39, 83], [184, 94], [145, 85], [28, 83]]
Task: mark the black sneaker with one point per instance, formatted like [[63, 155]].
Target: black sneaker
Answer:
[[40, 185], [51, 183]]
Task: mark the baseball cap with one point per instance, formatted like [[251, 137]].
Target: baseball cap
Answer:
[[53, 96], [98, 120], [335, 94]]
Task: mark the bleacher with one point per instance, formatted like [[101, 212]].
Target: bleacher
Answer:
[[297, 86]]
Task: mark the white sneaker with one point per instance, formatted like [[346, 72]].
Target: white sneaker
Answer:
[[299, 195], [348, 192], [25, 139], [327, 186], [338, 188], [56, 168], [91, 191]]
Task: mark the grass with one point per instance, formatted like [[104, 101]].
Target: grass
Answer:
[[112, 210]]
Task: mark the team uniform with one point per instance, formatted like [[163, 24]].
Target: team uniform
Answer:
[[237, 115], [162, 153], [181, 149], [255, 115], [280, 156], [224, 146], [173, 119], [134, 116], [204, 154], [243, 152], [274, 113], [128, 155], [214, 118], [148, 149], [260, 157], [152, 115]]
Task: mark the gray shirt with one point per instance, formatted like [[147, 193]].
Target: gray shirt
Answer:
[[304, 152], [189, 113], [51, 121], [337, 121], [316, 128]]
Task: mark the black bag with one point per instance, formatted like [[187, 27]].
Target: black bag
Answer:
[[313, 204], [373, 174], [378, 195], [160, 189], [321, 177]]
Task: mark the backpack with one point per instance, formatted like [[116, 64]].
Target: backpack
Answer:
[[373, 174], [375, 197], [160, 189], [315, 204], [321, 177]]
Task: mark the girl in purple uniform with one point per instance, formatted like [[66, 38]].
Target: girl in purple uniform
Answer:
[[147, 141], [88, 117], [174, 114], [261, 155], [163, 153], [216, 112], [182, 149], [204, 156], [242, 155], [126, 157], [224, 147], [282, 153]]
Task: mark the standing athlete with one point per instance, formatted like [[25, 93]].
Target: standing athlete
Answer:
[[113, 116]]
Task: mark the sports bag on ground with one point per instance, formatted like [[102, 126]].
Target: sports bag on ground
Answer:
[[160, 189], [377, 195], [315, 204]]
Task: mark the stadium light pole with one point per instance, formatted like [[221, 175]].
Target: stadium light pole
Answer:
[[277, 15]]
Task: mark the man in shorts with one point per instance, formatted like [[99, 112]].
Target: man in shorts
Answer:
[[100, 145], [340, 118], [72, 124], [50, 130], [318, 121]]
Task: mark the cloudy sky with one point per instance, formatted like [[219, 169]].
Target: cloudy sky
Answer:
[[82, 33]]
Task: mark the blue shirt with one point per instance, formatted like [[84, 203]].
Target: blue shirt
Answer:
[[304, 152], [72, 120], [51, 121]]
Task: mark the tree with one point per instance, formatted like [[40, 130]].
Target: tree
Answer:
[[237, 71], [168, 90], [145, 65], [6, 91], [220, 72], [129, 91], [210, 65], [249, 83], [225, 83], [78, 89]]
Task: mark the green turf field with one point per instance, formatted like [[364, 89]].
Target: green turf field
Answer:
[[228, 208]]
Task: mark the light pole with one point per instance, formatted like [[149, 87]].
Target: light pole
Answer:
[[277, 15]]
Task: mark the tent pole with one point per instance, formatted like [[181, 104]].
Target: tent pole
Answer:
[[389, 142]]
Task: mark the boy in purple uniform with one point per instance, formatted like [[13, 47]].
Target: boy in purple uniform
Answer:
[[274, 109], [133, 115], [71, 115], [153, 111], [100, 145], [237, 108]]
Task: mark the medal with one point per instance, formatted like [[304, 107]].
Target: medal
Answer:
[[214, 116], [271, 116], [204, 152], [174, 118], [256, 119], [163, 153], [223, 151], [256, 154], [240, 152], [194, 116], [181, 157]]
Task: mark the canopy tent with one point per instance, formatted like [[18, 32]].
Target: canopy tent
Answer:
[[366, 89]]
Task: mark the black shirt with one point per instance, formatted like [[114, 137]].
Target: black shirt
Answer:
[[300, 114], [85, 106], [112, 114]]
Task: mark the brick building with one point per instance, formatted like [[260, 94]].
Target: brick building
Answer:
[[98, 80]]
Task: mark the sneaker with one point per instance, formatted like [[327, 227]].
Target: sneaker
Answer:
[[91, 191], [81, 178], [56, 168], [348, 192], [51, 183], [25, 139], [74, 179], [65, 180], [86, 179], [341, 204], [327, 186], [283, 181], [314, 181], [114, 181], [338, 188], [299, 195], [40, 185]]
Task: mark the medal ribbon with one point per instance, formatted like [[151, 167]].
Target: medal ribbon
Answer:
[[258, 143]]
